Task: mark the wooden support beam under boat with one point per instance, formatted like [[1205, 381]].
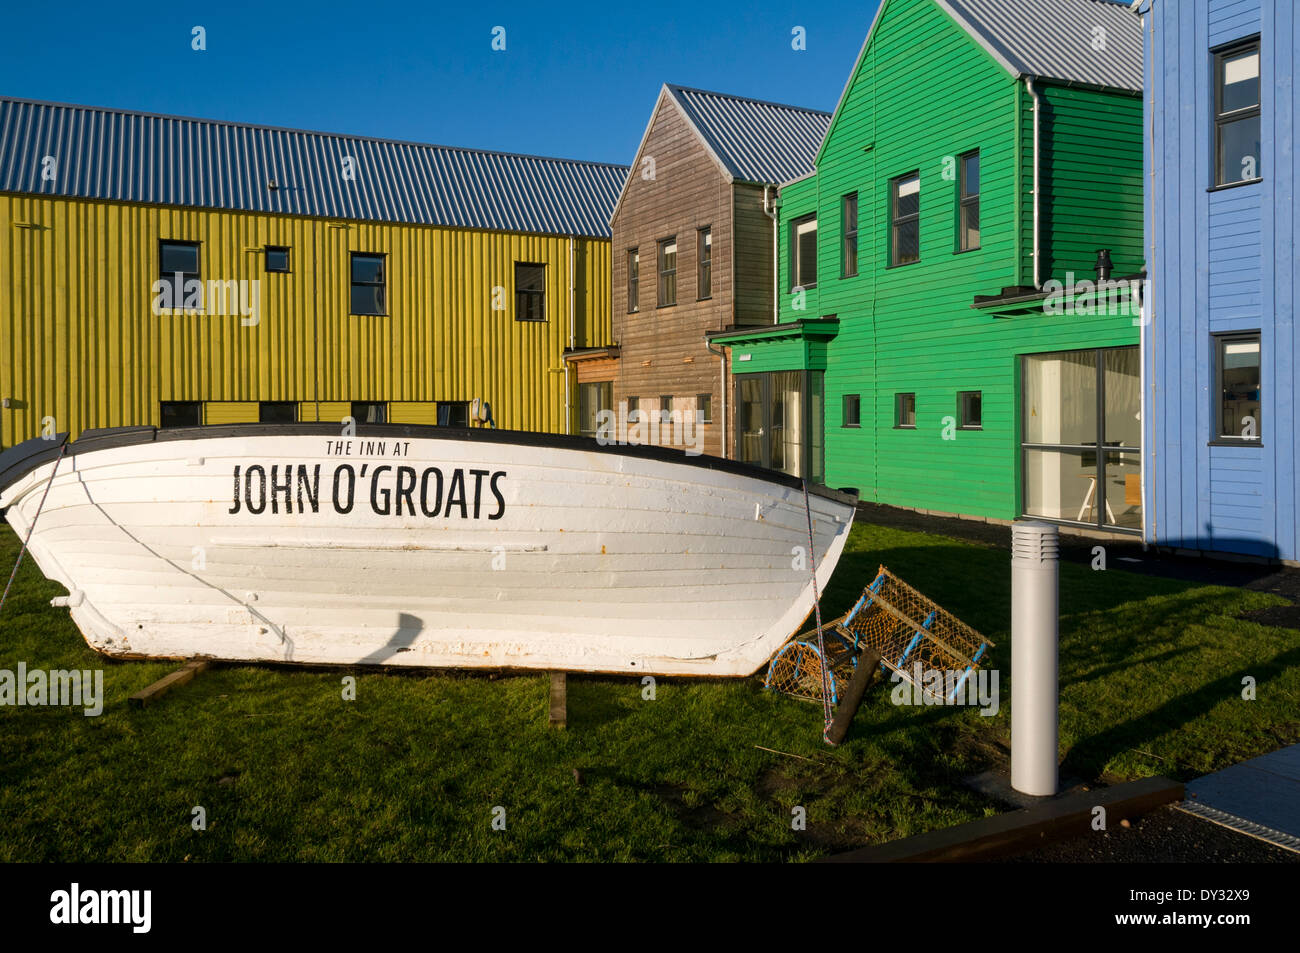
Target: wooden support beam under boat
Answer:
[[559, 715], [161, 687]]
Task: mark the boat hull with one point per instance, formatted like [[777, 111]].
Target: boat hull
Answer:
[[419, 547]]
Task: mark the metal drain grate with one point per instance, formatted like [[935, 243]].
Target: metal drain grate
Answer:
[[1241, 825]]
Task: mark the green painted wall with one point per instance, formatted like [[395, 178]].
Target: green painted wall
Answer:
[[922, 93]]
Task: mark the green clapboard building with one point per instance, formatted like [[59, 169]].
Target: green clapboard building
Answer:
[[959, 278]]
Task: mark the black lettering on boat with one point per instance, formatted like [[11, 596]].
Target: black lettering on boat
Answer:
[[309, 491], [501, 500], [424, 492], [453, 498], [376, 492], [339, 505], [404, 491], [478, 489], [286, 487], [261, 489], [235, 506]]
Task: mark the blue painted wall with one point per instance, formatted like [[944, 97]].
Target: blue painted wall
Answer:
[[1219, 261]]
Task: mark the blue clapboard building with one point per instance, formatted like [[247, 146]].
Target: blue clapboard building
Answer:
[[1220, 354]]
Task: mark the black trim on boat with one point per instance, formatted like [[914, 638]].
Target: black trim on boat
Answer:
[[18, 461]]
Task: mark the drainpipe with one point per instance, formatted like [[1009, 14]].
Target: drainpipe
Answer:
[[1038, 278], [568, 411], [770, 212], [722, 353]]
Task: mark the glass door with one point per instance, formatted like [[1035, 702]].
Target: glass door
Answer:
[[779, 421], [1082, 437]]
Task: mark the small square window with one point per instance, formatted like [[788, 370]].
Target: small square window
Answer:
[[453, 413], [704, 408], [970, 409], [369, 412], [277, 412], [530, 291], [852, 410], [181, 413], [1239, 385], [905, 411], [277, 258]]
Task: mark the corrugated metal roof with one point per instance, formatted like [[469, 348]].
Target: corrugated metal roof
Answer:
[[756, 141], [169, 160], [1058, 39]]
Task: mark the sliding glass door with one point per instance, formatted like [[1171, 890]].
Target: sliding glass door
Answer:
[[1082, 437], [779, 420]]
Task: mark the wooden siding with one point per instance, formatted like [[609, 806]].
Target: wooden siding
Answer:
[[84, 347], [923, 93], [662, 350], [1220, 261]]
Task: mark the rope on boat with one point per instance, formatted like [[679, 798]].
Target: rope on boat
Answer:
[[817, 608], [30, 529]]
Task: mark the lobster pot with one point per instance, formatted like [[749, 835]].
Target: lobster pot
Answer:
[[907, 629]]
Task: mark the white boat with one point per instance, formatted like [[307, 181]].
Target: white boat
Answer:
[[421, 546]]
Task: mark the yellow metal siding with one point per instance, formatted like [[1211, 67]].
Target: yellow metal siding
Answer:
[[405, 412], [230, 412], [81, 344]]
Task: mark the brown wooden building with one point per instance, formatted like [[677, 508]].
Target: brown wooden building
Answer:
[[693, 252]]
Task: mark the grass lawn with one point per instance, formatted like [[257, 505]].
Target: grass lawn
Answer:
[[1151, 678]]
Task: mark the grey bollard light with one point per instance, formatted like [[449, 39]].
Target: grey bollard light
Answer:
[[1035, 616]]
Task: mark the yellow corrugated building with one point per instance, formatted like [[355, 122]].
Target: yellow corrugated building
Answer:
[[338, 276]]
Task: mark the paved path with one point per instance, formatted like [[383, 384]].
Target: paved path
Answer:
[[1263, 791]]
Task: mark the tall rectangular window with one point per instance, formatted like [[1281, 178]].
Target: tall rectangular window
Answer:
[[178, 262], [852, 410], [530, 291], [970, 409], [1236, 114], [803, 252], [277, 412], [667, 272], [633, 280], [1238, 385], [665, 407], [704, 408], [905, 411], [905, 219], [592, 399], [968, 210], [633, 409], [849, 228], [705, 279], [369, 294]]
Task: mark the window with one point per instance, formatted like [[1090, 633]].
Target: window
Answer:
[[453, 413], [905, 411], [178, 262], [1238, 386], [633, 409], [704, 408], [1236, 114], [277, 412], [803, 252], [369, 412], [633, 280], [968, 203], [849, 227], [530, 292], [368, 291], [970, 409], [705, 287], [277, 258], [780, 421], [852, 410], [905, 219], [667, 272], [592, 399], [665, 408], [181, 413]]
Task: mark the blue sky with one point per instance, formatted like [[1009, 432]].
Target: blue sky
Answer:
[[576, 80]]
